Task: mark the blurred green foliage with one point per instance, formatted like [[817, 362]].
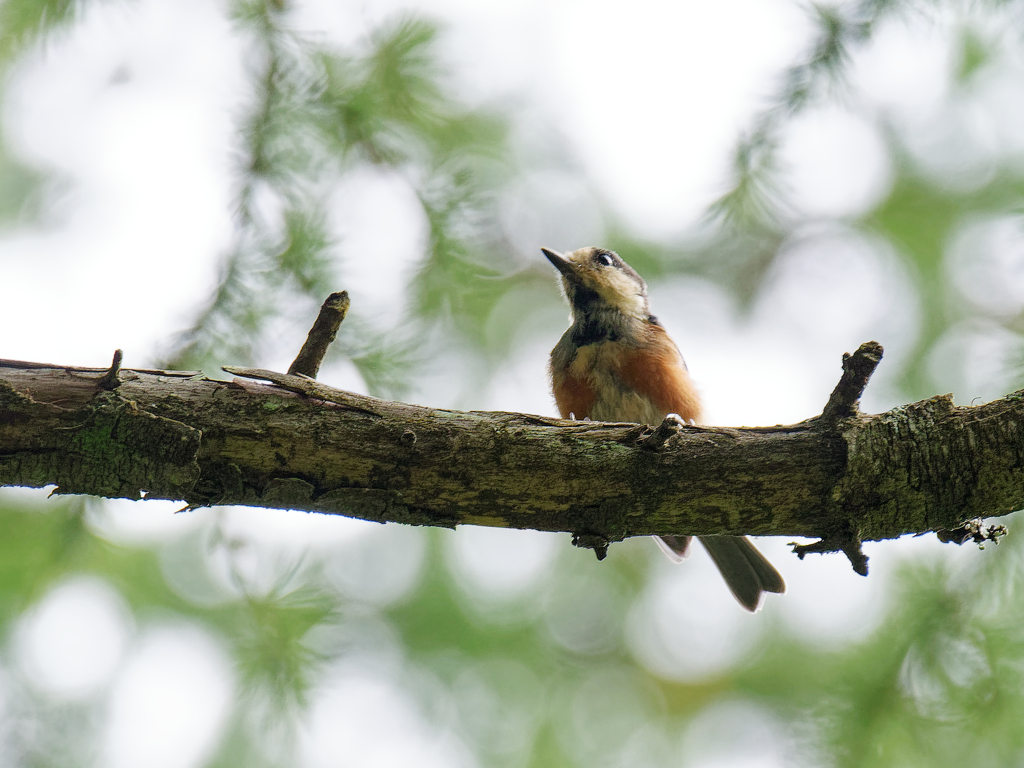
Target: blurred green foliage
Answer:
[[318, 115], [21, 25], [937, 683]]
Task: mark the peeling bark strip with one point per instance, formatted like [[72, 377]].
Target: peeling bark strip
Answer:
[[297, 444]]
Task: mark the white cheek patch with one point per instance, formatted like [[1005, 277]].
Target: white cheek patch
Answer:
[[621, 292]]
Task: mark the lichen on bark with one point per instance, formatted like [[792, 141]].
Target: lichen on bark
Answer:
[[843, 477]]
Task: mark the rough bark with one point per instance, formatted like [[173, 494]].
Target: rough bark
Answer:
[[843, 477]]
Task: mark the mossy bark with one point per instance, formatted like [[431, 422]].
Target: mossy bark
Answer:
[[176, 435]]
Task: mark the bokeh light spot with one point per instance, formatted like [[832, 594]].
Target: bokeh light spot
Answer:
[[70, 643], [169, 704]]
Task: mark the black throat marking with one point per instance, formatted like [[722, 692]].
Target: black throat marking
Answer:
[[583, 300], [596, 321], [590, 323], [590, 330]]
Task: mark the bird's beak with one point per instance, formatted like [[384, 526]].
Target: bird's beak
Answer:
[[561, 263]]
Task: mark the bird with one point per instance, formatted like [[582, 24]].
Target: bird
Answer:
[[616, 362]]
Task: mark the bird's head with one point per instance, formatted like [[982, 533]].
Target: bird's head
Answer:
[[596, 280]]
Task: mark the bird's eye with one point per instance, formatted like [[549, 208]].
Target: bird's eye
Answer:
[[603, 259]]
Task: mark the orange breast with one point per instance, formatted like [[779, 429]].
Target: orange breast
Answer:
[[613, 381], [573, 394], [657, 372]]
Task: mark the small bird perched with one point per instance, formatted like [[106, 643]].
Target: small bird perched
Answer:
[[617, 363]]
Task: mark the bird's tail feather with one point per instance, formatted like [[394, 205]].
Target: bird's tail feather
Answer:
[[676, 548], [746, 571]]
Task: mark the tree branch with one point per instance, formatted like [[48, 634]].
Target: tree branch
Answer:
[[321, 335], [298, 444], [857, 369]]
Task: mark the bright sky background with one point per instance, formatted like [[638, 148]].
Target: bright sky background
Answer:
[[134, 114]]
